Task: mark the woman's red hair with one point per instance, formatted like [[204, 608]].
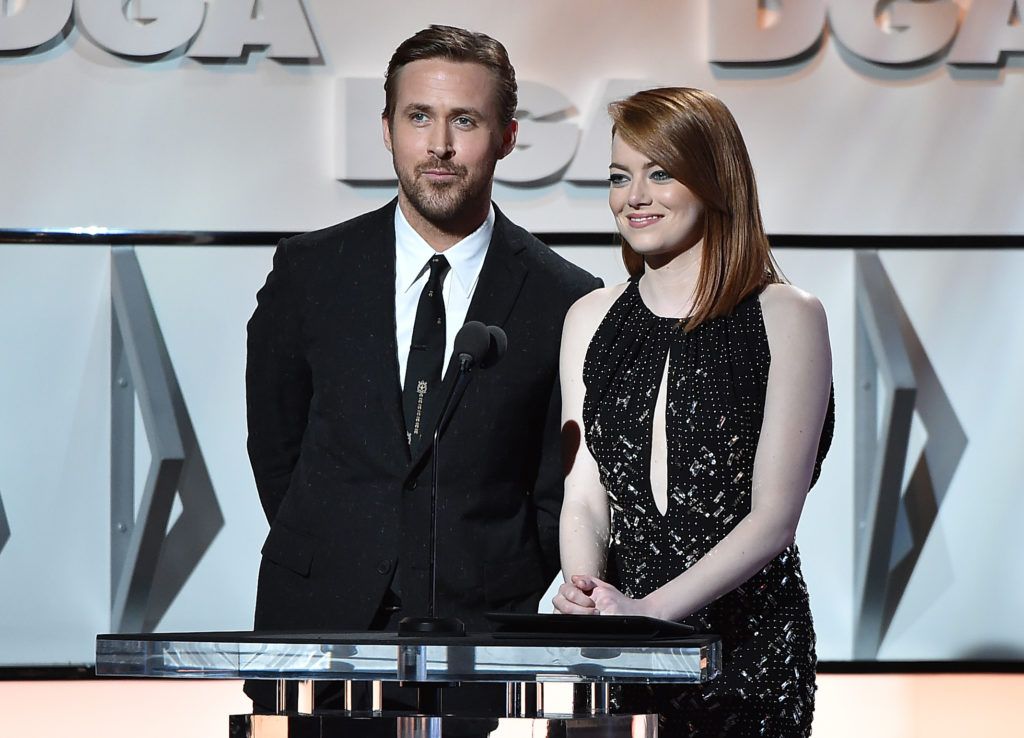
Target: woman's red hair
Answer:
[[693, 136]]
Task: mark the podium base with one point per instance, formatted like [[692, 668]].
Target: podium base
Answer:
[[431, 626], [352, 725]]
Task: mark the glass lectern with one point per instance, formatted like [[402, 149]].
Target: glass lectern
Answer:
[[523, 662]]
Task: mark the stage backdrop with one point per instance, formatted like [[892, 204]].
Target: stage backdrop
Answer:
[[861, 117], [236, 115]]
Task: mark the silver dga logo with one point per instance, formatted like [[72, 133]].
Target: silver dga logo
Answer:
[[147, 29], [898, 32], [898, 495], [152, 556], [5, 529]]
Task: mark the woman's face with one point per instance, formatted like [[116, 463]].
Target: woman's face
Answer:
[[657, 215]]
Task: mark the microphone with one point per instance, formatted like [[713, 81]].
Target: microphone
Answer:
[[497, 346], [476, 345], [472, 343]]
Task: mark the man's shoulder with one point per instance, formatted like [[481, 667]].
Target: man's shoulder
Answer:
[[542, 258], [365, 229]]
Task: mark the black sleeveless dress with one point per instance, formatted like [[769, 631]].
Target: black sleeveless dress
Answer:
[[717, 376]]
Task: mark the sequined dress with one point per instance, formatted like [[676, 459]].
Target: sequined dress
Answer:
[[717, 376]]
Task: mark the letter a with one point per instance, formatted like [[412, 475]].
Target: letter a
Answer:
[[232, 25]]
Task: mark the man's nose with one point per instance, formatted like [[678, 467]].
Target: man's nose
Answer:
[[440, 144]]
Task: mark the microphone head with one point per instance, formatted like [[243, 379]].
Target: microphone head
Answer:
[[472, 342], [498, 345]]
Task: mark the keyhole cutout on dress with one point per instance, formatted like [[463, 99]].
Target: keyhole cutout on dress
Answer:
[[659, 445]]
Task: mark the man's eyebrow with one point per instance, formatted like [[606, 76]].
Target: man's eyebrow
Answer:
[[429, 109], [466, 111], [417, 108]]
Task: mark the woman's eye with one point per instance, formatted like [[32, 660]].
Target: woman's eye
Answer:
[[660, 175], [616, 180]]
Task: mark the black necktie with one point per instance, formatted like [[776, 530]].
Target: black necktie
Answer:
[[426, 353]]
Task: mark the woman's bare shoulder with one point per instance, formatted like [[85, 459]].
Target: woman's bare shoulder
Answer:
[[596, 304], [794, 319], [786, 303], [586, 313]]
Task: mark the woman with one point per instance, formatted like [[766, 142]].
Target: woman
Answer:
[[702, 388]]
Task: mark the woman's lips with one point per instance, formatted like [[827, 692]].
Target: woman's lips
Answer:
[[642, 221]]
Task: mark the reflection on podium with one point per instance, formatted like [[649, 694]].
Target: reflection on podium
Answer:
[[524, 662]]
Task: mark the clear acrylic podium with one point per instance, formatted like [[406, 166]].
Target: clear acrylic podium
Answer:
[[524, 663]]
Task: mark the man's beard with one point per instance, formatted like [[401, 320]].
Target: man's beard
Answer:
[[441, 202]]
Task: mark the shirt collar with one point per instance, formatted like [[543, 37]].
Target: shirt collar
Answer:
[[465, 257]]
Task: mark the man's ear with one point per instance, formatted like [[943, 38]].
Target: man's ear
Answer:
[[386, 130], [508, 138]]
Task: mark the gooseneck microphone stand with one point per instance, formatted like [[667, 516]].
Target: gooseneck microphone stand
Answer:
[[472, 344], [475, 345]]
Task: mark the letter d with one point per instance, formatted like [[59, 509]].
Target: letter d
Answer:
[[35, 23], [737, 35]]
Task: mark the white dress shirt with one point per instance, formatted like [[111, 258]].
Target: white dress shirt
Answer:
[[412, 257]]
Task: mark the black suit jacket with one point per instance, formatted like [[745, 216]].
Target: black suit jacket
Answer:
[[344, 498]]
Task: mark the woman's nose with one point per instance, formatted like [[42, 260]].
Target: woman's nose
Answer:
[[638, 195]]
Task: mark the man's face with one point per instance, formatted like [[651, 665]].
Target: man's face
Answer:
[[445, 139]]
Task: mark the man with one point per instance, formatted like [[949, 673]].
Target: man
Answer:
[[345, 357]]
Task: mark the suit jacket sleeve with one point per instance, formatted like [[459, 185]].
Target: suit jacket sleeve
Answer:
[[278, 383], [549, 488]]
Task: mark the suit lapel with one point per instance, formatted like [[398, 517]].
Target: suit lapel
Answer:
[[501, 279]]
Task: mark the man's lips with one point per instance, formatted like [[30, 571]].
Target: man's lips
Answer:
[[439, 173], [642, 220]]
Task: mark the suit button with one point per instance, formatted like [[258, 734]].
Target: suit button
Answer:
[[410, 485], [384, 566]]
